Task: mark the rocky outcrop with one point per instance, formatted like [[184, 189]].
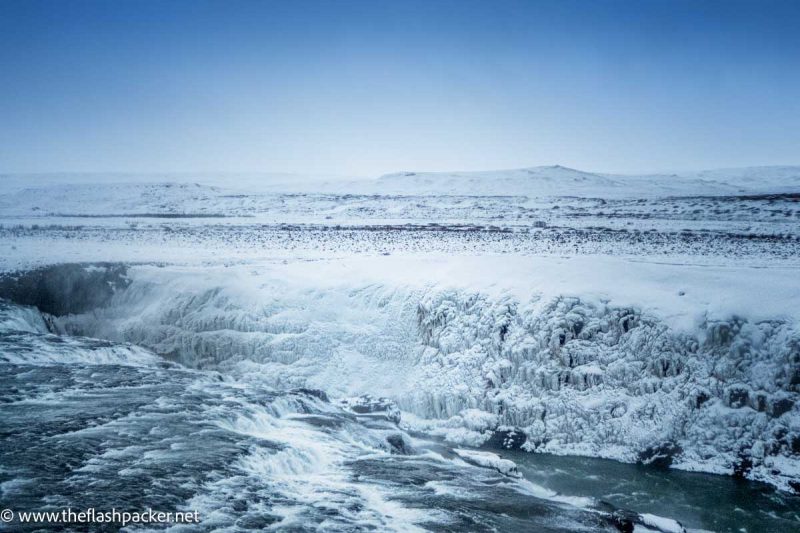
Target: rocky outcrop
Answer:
[[65, 289]]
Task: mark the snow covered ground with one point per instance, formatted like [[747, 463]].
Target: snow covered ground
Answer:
[[637, 318]]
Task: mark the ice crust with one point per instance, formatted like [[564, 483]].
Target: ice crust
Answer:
[[587, 376]]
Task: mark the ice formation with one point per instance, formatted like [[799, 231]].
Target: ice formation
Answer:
[[560, 375], [418, 330]]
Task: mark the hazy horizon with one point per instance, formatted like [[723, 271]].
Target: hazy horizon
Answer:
[[334, 176]]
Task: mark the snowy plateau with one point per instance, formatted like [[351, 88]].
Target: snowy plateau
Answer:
[[471, 320]]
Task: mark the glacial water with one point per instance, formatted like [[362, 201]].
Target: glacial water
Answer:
[[88, 423], [697, 500], [148, 434]]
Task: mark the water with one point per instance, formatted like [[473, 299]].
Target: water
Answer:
[[153, 434], [702, 501], [90, 423]]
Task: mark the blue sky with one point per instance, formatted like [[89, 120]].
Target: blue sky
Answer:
[[368, 87]]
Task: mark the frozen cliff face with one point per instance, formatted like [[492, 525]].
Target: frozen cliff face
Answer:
[[583, 378], [64, 289], [562, 375]]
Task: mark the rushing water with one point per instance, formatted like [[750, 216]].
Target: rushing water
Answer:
[[93, 424]]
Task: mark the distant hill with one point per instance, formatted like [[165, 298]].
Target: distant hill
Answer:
[[562, 181], [62, 192]]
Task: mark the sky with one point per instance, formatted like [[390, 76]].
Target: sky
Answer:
[[362, 88]]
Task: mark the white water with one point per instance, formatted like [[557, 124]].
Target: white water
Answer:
[[576, 376]]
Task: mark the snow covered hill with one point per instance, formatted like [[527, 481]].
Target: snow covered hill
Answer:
[[536, 181], [561, 181], [545, 181]]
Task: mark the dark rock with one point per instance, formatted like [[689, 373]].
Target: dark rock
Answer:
[[398, 444], [315, 393], [624, 521], [503, 332], [780, 432], [794, 443], [627, 323], [759, 402], [737, 396], [743, 466], [323, 421], [660, 456], [371, 405], [510, 439], [779, 406], [65, 289], [794, 376], [700, 398]]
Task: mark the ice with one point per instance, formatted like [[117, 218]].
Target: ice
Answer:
[[21, 318], [667, 525], [645, 319], [489, 460], [675, 383]]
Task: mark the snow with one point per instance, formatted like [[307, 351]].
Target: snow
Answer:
[[611, 321], [707, 292], [120, 193], [489, 460], [562, 181], [667, 525], [467, 348]]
